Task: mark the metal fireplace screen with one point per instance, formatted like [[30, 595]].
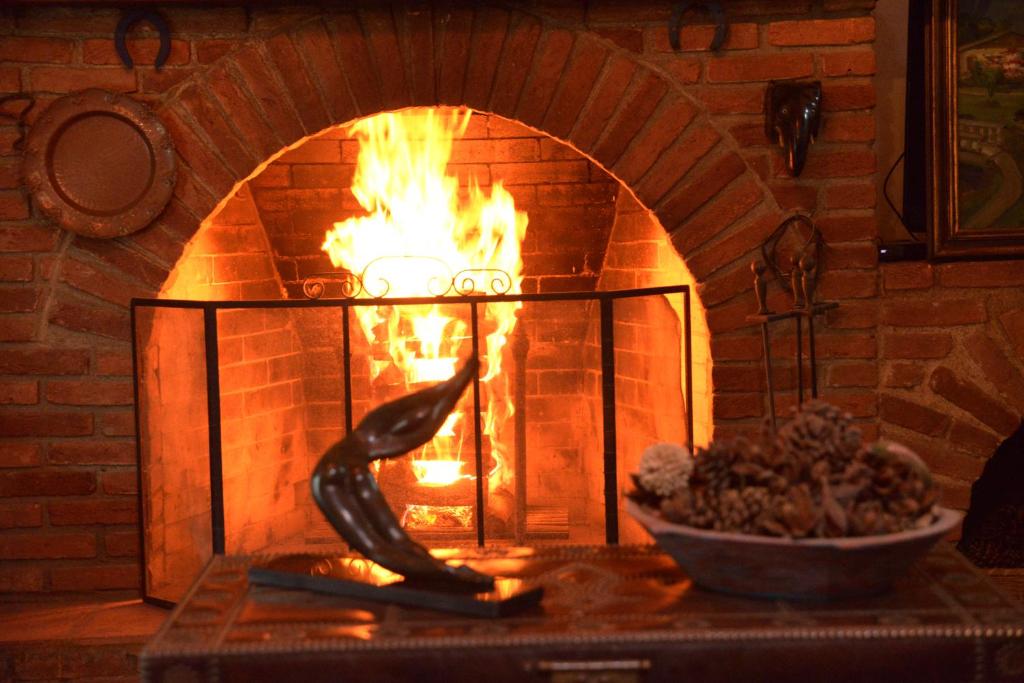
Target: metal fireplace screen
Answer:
[[236, 401]]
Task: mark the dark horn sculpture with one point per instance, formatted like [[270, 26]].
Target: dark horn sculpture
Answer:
[[347, 493], [792, 117]]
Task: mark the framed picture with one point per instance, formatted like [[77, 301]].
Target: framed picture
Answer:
[[975, 123]]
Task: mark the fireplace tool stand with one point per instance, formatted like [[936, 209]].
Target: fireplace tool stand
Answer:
[[802, 279]]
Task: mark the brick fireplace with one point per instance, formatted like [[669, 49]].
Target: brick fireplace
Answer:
[[592, 119]]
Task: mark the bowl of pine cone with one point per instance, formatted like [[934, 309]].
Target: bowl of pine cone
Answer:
[[806, 512]]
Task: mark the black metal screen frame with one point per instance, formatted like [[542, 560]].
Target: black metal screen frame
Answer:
[[606, 310]]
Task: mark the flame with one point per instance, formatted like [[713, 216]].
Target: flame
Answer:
[[418, 234], [438, 516]]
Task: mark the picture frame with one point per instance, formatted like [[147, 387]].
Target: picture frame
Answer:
[[975, 128]]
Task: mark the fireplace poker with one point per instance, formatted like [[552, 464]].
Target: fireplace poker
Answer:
[[761, 292]]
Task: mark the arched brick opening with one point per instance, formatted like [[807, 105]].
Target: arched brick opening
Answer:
[[272, 94]]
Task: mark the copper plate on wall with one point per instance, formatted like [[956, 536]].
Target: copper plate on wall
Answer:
[[99, 164]]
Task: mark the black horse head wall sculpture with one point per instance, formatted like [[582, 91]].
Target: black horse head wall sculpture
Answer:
[[792, 117], [347, 493]]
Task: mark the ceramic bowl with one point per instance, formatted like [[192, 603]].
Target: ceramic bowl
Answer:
[[773, 567]]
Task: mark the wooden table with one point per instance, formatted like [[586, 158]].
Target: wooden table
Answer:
[[610, 614]]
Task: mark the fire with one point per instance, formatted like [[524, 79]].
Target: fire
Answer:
[[418, 235]]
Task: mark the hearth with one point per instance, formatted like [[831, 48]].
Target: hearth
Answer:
[[488, 239]]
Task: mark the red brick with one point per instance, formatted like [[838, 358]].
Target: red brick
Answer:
[[858, 404], [121, 543], [19, 299], [105, 452], [518, 53], [973, 399], [607, 96], [142, 50], [489, 31], [863, 255], [28, 238], [381, 36], [201, 106], [45, 424], [997, 368], [834, 163], [853, 375], [847, 284], [101, 283], [698, 190], [20, 515], [974, 439], [847, 228], [730, 316], [904, 375], [66, 79], [10, 79], [89, 393], [715, 219], [99, 577], [846, 345], [698, 37], [675, 162], [454, 31], [722, 99], [46, 482], [759, 67], [822, 32], [631, 39], [855, 63], [16, 454], [10, 174], [847, 97], [202, 165], [982, 274], [912, 416], [683, 71], [127, 262], [19, 392], [121, 423], [636, 109], [933, 313], [209, 50], [313, 42], [21, 579], [917, 345], [539, 172], [297, 80], [795, 197], [731, 406], [34, 546], [736, 348], [1012, 323], [13, 205], [736, 245], [17, 328], [273, 101], [547, 71], [913, 275], [853, 315], [119, 482], [852, 127], [82, 317], [82, 512], [38, 50]]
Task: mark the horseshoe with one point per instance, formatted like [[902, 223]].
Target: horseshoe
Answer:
[[132, 17], [717, 13]]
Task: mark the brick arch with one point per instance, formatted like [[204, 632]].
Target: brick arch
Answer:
[[273, 93]]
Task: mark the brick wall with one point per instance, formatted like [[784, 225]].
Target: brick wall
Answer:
[[682, 131]]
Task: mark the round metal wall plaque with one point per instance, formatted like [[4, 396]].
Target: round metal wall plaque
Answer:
[[99, 164]]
